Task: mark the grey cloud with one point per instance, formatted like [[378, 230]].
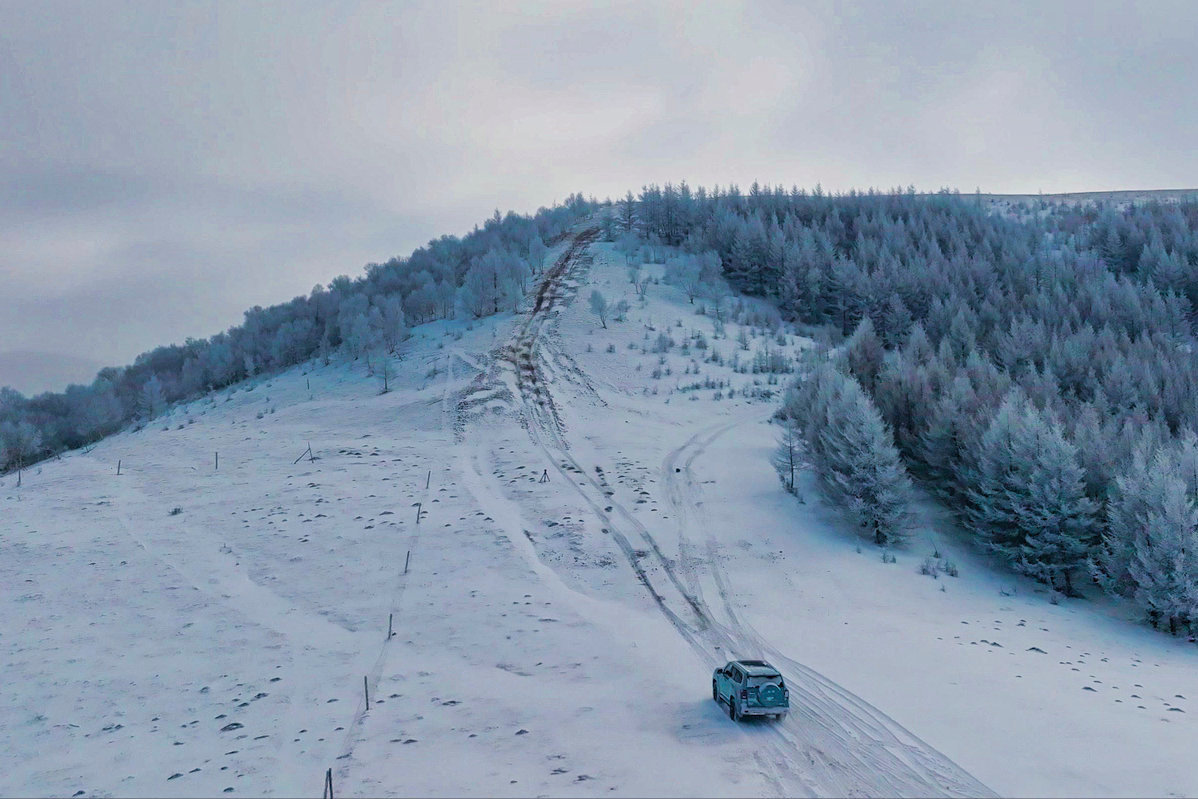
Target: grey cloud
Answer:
[[165, 165]]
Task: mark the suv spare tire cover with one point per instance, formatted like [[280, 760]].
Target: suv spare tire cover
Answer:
[[770, 694]]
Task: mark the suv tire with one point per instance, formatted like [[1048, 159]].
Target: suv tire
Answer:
[[715, 692], [732, 710]]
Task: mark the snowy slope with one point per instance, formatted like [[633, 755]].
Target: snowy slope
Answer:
[[592, 542]]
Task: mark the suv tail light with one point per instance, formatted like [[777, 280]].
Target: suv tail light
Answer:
[[744, 693]]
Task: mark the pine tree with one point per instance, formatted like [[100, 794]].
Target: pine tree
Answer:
[[865, 353], [951, 431], [1150, 545], [1165, 553], [1057, 515], [853, 454], [1027, 500]]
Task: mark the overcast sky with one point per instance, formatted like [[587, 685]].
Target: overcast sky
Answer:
[[165, 165]]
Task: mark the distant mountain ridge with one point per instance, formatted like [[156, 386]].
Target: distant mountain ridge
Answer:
[[1119, 196]]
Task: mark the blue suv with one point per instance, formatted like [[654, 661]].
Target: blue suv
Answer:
[[751, 688]]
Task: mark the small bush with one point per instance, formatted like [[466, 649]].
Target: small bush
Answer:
[[176, 511]]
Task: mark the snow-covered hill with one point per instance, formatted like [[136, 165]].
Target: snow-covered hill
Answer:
[[599, 526]]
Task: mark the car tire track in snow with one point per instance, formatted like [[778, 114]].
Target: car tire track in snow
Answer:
[[684, 612], [858, 750], [848, 719]]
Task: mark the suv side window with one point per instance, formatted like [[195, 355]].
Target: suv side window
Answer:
[[736, 675]]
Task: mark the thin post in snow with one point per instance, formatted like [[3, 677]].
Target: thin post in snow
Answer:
[[390, 619], [417, 513], [428, 479], [366, 690], [328, 784], [407, 559], [307, 452], [118, 466], [18, 477], [216, 462]]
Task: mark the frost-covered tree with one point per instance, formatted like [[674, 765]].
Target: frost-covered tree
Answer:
[[599, 307], [954, 428], [1027, 501], [788, 454], [865, 353], [537, 250], [514, 275], [683, 272], [389, 322], [19, 443], [630, 245], [853, 454], [479, 294], [627, 213], [357, 335], [152, 399], [1164, 560], [1150, 547]]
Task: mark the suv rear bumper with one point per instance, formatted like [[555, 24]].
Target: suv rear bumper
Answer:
[[758, 710]]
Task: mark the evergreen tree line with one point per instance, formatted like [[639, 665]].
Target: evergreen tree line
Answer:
[[1034, 364], [479, 274]]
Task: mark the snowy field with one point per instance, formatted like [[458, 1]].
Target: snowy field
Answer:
[[595, 535]]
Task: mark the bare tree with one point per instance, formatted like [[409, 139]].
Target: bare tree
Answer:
[[642, 286], [385, 372], [788, 455]]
